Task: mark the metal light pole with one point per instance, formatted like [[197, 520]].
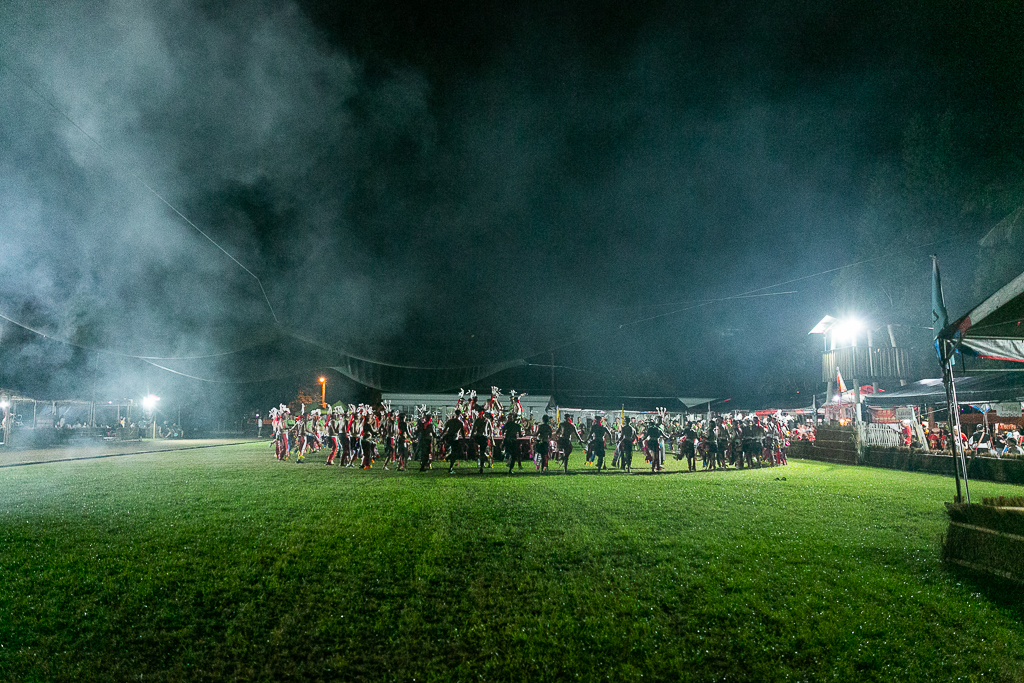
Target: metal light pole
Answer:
[[323, 392]]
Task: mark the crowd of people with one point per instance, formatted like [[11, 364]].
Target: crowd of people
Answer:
[[499, 431], [994, 443]]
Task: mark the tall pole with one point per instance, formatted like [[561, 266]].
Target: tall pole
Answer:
[[954, 423], [552, 373]]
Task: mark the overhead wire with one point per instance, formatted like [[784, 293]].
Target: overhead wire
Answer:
[[121, 354], [228, 381], [786, 282], [701, 304]]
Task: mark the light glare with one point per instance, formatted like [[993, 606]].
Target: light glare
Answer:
[[847, 329]]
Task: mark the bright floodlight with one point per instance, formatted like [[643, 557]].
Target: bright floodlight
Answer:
[[149, 402], [322, 380], [847, 329], [3, 405]]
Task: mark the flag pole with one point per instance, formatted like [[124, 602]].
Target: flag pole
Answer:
[[953, 413], [945, 348]]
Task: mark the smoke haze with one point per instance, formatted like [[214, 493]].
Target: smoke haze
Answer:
[[484, 184]]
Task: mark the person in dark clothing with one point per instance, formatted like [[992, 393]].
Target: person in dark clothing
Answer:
[[367, 443], [689, 447], [752, 435], [626, 439], [543, 445], [566, 431], [711, 438], [424, 439], [480, 440], [512, 432], [654, 434], [450, 435], [598, 434], [402, 441]]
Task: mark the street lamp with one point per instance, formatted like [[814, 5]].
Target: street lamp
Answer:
[[149, 403], [846, 329], [323, 392]]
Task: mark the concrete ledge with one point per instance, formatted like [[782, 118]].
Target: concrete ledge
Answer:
[[1006, 470]]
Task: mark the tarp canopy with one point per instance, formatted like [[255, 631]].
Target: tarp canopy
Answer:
[[991, 387], [390, 377], [995, 327]]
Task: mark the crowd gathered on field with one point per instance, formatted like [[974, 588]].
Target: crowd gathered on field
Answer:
[[361, 436]]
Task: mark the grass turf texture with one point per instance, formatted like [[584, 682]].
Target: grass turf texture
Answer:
[[225, 564]]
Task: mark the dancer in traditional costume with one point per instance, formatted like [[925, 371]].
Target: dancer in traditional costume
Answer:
[[653, 435], [566, 430], [596, 444], [511, 443], [481, 429], [626, 438], [333, 438], [366, 442], [424, 439], [450, 435], [542, 447]]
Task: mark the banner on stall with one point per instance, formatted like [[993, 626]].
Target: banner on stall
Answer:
[[906, 413], [883, 415], [1008, 409]]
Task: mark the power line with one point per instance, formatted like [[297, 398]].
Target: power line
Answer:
[[228, 381], [120, 354], [753, 292], [701, 304]]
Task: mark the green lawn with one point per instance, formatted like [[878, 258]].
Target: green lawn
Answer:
[[224, 564]]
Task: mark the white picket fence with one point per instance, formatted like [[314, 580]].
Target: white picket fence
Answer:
[[881, 435]]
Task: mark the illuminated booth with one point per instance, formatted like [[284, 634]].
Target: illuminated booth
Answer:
[[851, 352]]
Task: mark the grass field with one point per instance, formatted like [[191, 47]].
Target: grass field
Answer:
[[224, 564]]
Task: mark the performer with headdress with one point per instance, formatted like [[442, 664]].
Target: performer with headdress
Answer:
[[401, 440], [332, 438], [280, 433], [387, 435], [653, 435]]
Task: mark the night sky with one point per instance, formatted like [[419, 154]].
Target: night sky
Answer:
[[440, 184]]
